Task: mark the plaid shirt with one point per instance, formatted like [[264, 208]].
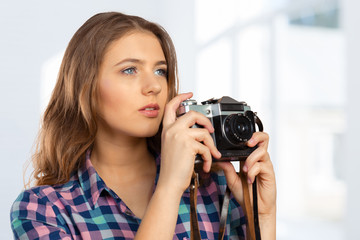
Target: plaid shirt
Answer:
[[85, 208]]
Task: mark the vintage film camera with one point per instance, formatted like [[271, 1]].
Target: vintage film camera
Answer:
[[234, 125]]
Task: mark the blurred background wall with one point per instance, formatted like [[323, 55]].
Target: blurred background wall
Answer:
[[293, 61]]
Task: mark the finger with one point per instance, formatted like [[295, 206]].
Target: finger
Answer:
[[263, 169], [172, 106], [202, 135], [259, 155], [253, 172], [204, 151], [192, 117], [260, 139]]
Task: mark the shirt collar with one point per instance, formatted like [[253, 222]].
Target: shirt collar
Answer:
[[90, 181]]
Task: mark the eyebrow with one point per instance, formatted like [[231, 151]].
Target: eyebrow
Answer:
[[134, 60]]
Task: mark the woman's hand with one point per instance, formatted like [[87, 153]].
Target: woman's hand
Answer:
[[181, 144], [257, 164]]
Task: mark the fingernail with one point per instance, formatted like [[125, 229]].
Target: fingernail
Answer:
[[249, 181], [245, 168]]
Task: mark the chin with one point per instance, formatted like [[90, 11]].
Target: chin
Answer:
[[151, 134], [147, 132], [151, 129]]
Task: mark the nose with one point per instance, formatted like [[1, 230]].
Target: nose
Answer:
[[152, 85]]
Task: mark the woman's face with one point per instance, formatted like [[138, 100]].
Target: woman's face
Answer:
[[132, 87]]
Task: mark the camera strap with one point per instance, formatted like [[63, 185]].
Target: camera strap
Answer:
[[194, 223], [252, 229]]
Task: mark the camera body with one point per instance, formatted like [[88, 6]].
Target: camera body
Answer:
[[234, 125]]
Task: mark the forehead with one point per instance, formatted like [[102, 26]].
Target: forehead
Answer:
[[136, 44]]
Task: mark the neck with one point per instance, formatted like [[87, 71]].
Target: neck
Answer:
[[121, 161]]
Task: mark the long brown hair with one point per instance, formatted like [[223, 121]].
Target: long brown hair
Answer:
[[69, 123]]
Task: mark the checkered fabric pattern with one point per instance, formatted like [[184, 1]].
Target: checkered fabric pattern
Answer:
[[85, 208]]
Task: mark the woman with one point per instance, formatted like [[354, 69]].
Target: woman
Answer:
[[111, 118]]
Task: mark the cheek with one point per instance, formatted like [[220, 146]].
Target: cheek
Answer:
[[106, 93], [164, 98], [165, 91], [110, 96]]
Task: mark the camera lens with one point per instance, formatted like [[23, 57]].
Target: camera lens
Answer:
[[238, 128]]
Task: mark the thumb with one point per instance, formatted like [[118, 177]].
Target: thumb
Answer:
[[172, 106], [232, 179]]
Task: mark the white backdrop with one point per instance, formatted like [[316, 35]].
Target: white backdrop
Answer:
[[33, 35]]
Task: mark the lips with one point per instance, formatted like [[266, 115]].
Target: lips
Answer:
[[150, 110]]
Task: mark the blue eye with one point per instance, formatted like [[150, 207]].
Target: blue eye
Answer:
[[129, 71], [161, 72]]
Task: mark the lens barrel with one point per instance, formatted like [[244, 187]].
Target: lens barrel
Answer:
[[238, 128]]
